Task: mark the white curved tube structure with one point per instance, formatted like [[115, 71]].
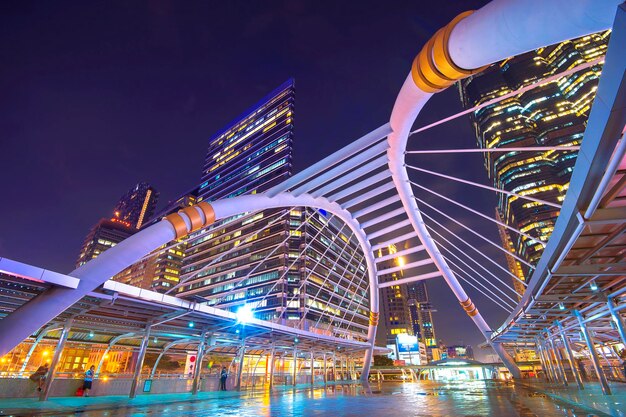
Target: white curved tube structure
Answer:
[[31, 316], [501, 29]]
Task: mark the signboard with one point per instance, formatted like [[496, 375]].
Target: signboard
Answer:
[[407, 343], [147, 385]]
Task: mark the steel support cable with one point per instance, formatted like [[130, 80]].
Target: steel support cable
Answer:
[[493, 297], [242, 239], [261, 262], [500, 248], [486, 187], [343, 297], [322, 255], [287, 270], [345, 269], [476, 212], [367, 288], [496, 150], [474, 270], [478, 274], [246, 239], [474, 249], [505, 307], [293, 263], [305, 280], [514, 93]]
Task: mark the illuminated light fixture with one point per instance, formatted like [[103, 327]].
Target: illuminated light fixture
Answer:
[[91, 334], [593, 285], [237, 331], [155, 340], [190, 324], [296, 340], [245, 314], [561, 306]]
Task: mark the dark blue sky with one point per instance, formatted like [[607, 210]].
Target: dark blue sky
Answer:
[[96, 96]]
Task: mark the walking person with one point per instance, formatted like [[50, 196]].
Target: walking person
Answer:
[[223, 376], [40, 376], [88, 380]]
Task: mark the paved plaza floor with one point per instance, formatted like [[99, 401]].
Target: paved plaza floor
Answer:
[[467, 399]]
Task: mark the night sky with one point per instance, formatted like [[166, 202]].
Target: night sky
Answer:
[[96, 96]]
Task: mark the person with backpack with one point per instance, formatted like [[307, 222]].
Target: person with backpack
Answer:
[[88, 380]]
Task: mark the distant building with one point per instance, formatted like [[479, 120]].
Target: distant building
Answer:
[[160, 270], [103, 236], [460, 352], [130, 212], [137, 205], [395, 317], [551, 115], [420, 311]]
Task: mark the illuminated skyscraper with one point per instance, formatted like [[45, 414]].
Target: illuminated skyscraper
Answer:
[[137, 205], [130, 212], [420, 311], [103, 236], [551, 115], [243, 259], [395, 317], [161, 269]]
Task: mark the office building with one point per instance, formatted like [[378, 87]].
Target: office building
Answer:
[[552, 115], [103, 236], [295, 266], [420, 312], [395, 316], [137, 205]]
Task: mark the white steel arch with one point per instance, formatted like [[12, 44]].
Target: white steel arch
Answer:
[[366, 183]]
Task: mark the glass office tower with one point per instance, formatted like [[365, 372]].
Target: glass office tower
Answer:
[[292, 264], [551, 115]]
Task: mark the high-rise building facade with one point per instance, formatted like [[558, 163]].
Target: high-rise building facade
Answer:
[[395, 316], [295, 266], [552, 115], [130, 212], [420, 311], [137, 205], [160, 270], [103, 236]]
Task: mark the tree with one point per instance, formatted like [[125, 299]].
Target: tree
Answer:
[[381, 360]]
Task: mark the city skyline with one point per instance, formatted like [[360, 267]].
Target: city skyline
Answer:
[[335, 97]]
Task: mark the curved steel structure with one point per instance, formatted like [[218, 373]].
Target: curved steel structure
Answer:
[[366, 183]]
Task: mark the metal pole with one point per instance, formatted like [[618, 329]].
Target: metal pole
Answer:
[[570, 357], [542, 359], [546, 349], [139, 364], [37, 340], [334, 367], [242, 352], [271, 368], [198, 368], [295, 365], [559, 363], [617, 319], [45, 391], [606, 390], [325, 371], [312, 370]]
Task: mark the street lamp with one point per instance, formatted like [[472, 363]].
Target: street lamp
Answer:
[[245, 314]]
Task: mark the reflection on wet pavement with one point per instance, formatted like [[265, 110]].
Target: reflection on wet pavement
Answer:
[[468, 399]]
